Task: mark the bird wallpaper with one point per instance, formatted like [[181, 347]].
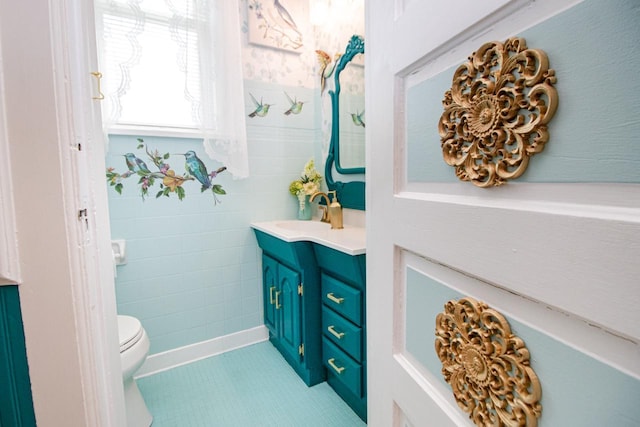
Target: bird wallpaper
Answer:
[[280, 24], [169, 182]]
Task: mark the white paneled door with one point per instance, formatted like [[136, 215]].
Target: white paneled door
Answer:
[[561, 258]]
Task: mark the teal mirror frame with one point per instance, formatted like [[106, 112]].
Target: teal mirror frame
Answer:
[[350, 194]]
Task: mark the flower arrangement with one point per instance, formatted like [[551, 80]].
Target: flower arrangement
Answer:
[[308, 184]]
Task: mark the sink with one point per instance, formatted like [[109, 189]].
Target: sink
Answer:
[[350, 239], [304, 226]]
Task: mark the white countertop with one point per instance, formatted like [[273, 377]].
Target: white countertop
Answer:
[[350, 239]]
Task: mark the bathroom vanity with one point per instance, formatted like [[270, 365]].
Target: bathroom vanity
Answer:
[[314, 289], [314, 276]]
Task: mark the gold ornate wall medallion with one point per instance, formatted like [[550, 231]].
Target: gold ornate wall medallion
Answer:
[[487, 366], [496, 112]]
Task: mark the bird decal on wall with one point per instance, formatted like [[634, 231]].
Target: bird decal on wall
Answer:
[[170, 182], [135, 164], [358, 118], [327, 66], [296, 106], [261, 109], [197, 169]]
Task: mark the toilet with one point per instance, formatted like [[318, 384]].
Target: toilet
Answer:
[[134, 347]]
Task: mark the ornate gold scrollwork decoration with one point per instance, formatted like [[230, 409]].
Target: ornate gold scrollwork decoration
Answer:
[[496, 112], [487, 366]]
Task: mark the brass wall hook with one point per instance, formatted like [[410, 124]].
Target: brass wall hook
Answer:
[[98, 76]]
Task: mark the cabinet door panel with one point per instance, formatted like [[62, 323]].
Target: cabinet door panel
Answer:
[[270, 282], [288, 302]]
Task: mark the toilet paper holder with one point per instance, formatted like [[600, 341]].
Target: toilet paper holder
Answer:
[[118, 250]]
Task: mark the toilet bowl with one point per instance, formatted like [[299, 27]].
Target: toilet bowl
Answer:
[[134, 347]]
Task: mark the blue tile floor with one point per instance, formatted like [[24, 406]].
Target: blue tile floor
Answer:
[[252, 386]]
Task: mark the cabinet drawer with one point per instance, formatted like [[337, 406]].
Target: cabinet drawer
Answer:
[[343, 333], [342, 298], [342, 367]]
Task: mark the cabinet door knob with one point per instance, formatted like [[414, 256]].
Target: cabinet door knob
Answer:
[[335, 333], [338, 369], [278, 300], [271, 298], [337, 300]]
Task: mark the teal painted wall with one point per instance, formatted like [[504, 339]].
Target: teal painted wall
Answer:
[[16, 404], [577, 390], [594, 50]]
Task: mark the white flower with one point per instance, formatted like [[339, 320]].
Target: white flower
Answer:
[[309, 182], [310, 188]]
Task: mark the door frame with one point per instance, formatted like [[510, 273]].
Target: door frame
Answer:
[[66, 279]]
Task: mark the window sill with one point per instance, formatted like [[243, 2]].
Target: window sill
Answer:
[[142, 130]]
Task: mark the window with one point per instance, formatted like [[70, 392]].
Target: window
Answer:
[[172, 67]]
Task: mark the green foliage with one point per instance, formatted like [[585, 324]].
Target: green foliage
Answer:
[[181, 194]]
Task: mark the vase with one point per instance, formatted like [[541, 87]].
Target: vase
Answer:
[[304, 208]]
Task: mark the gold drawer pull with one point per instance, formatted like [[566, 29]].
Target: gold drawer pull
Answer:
[[271, 298], [278, 300], [335, 333], [336, 368], [332, 297]]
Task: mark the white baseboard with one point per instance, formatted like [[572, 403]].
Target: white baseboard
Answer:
[[181, 356]]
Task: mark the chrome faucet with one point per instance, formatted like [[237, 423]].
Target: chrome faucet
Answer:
[[325, 209]]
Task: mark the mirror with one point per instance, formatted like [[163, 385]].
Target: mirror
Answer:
[[350, 111], [347, 146]]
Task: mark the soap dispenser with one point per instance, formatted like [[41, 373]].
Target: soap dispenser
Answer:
[[335, 211]]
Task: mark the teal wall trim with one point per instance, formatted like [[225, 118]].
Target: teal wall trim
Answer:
[[16, 404]]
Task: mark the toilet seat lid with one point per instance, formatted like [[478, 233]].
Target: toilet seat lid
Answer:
[[129, 331]]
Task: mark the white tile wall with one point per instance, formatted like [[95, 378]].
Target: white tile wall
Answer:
[[192, 271]]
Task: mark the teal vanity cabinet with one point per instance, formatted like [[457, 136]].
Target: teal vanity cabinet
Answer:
[[291, 292], [344, 325]]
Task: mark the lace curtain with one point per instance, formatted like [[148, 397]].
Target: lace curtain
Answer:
[[174, 65]]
